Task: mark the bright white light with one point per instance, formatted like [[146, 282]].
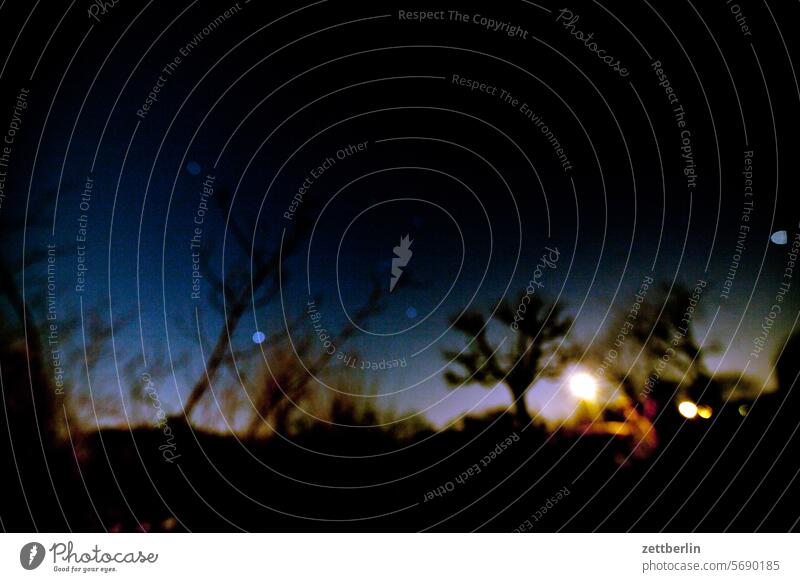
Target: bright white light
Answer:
[[687, 409], [583, 385], [704, 411]]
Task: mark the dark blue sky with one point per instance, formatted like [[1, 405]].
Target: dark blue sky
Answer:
[[473, 181]]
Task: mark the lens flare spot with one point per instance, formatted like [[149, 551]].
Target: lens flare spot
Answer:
[[584, 386], [687, 409], [704, 411]]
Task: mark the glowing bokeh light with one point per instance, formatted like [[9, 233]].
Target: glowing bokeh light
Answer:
[[193, 168], [584, 386], [687, 409], [779, 237]]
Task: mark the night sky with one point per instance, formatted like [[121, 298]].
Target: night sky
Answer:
[[442, 130]]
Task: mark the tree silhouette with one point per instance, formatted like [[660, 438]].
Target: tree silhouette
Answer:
[[661, 357], [257, 286], [288, 382], [262, 284], [787, 364], [533, 327]]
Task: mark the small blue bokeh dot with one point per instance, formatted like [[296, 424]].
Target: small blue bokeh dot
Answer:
[[411, 313], [193, 168], [259, 337]]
